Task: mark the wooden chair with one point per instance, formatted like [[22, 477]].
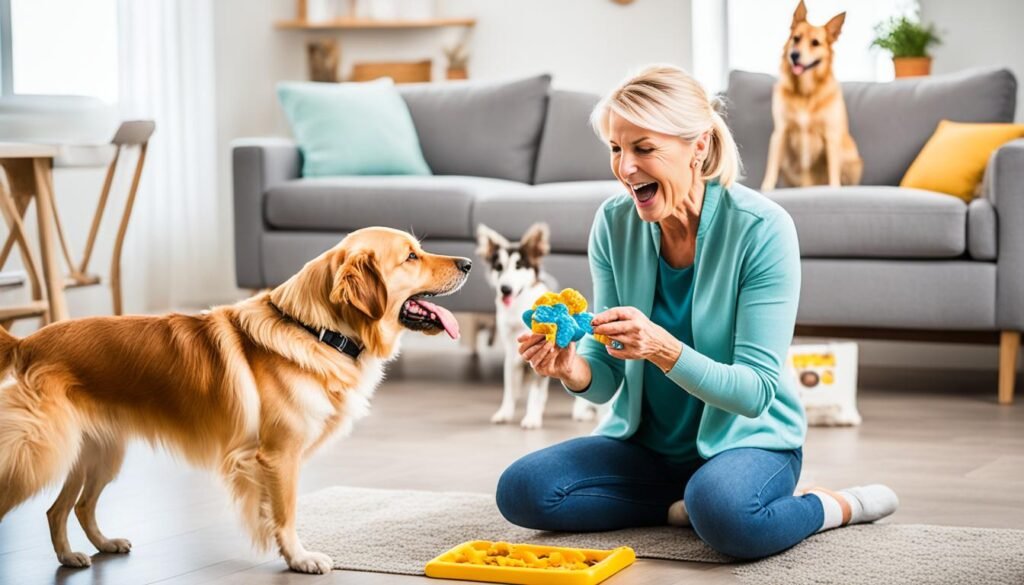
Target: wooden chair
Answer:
[[134, 133], [13, 202], [16, 191]]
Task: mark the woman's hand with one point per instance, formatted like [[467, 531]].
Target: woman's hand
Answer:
[[638, 337], [547, 359]]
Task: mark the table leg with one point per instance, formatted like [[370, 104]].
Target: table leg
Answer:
[[47, 246]]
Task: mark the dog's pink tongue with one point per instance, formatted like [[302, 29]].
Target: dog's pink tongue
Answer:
[[798, 68], [451, 326]]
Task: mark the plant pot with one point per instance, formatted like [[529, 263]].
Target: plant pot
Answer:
[[912, 66], [457, 73]]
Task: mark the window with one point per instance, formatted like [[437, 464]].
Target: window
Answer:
[[749, 35], [59, 47]]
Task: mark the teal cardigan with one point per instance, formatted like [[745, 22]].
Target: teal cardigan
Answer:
[[745, 293]]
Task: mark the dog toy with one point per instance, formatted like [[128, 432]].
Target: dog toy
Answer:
[[529, 564], [562, 318]]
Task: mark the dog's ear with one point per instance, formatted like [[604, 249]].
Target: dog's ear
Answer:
[[536, 241], [799, 15], [358, 283], [835, 26], [488, 241]]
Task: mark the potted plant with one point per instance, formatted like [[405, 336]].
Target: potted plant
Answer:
[[908, 41]]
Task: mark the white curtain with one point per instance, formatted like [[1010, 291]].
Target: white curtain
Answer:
[[178, 248]]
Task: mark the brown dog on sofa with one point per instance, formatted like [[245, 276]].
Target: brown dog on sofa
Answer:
[[811, 142]]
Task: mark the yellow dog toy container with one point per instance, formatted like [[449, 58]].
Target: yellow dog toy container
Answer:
[[529, 564]]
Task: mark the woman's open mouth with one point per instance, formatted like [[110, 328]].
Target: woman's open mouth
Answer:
[[644, 192], [420, 315]]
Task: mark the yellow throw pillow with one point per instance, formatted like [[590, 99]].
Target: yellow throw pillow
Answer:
[[954, 158]]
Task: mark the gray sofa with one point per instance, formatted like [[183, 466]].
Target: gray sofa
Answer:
[[878, 260]]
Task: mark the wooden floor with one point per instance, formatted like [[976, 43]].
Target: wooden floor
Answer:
[[952, 454]]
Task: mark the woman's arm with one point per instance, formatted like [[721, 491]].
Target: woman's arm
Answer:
[[765, 317], [606, 372]]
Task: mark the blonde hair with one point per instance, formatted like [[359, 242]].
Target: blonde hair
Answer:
[[667, 100]]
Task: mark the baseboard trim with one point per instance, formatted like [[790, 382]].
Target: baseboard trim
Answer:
[[930, 380]]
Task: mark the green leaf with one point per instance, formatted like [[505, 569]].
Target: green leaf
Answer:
[[905, 37]]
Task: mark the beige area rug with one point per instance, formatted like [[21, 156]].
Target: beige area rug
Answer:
[[391, 531]]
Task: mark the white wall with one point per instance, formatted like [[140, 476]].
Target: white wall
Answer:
[[977, 34], [584, 44]]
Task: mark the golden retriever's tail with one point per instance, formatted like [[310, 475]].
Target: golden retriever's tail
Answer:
[[40, 432]]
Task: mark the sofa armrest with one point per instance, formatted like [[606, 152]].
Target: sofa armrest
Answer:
[[1005, 190], [257, 165]]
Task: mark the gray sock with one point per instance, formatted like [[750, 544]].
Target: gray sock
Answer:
[[870, 502]]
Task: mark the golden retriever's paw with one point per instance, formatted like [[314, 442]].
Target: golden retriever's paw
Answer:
[[313, 563], [75, 560], [116, 546], [531, 421], [502, 416]]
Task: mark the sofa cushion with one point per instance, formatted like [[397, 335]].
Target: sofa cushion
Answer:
[[568, 208], [954, 158], [352, 129], [898, 294], [875, 222], [569, 148], [914, 106], [480, 129], [429, 206], [981, 230]]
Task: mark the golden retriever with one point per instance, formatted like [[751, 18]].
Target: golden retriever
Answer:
[[248, 389], [811, 142]]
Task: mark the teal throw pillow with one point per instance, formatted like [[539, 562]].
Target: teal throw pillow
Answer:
[[352, 129]]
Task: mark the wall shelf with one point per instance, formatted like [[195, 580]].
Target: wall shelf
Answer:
[[355, 24]]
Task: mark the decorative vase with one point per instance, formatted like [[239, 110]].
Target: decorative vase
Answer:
[[324, 56], [457, 73], [912, 66]]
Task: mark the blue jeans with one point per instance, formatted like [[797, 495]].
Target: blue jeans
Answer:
[[740, 502]]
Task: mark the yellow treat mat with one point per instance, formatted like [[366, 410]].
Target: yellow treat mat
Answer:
[[529, 564]]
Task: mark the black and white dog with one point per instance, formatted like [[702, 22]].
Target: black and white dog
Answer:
[[514, 271]]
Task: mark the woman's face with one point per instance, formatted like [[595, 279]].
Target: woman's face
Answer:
[[656, 168]]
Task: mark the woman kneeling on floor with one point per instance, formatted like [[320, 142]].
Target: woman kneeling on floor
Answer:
[[706, 431]]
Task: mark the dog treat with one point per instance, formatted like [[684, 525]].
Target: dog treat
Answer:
[[503, 554], [529, 564], [562, 318]]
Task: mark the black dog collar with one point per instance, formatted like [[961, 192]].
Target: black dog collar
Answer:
[[334, 339]]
